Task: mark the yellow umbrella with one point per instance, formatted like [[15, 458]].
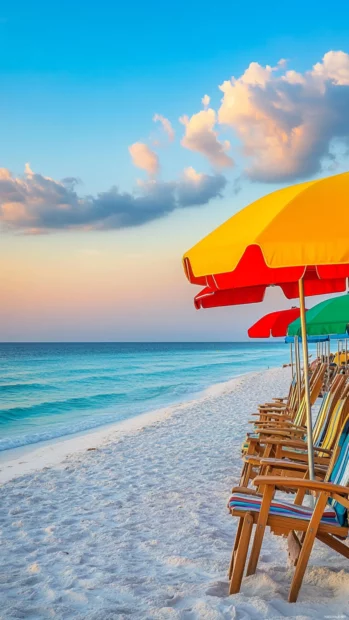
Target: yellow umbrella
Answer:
[[300, 225], [296, 238]]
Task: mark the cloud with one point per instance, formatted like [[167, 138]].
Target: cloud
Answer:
[[288, 122], [36, 204], [143, 157], [205, 101], [167, 127], [201, 137], [197, 188]]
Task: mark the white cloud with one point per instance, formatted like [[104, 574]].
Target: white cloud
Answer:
[[205, 101], [287, 123], [166, 124], [143, 157], [201, 137]]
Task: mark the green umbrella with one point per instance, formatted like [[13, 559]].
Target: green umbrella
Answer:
[[328, 317]]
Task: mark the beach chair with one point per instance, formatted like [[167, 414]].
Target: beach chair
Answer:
[[327, 521], [289, 429], [333, 411], [271, 415], [288, 403]]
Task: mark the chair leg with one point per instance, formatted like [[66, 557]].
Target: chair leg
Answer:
[[307, 547], [261, 525], [236, 543], [241, 554]]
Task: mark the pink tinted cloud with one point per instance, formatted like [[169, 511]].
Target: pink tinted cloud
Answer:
[[201, 137], [144, 158]]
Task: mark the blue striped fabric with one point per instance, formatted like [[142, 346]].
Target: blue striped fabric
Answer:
[[334, 515], [252, 503]]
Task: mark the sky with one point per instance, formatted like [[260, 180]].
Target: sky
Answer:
[[129, 131]]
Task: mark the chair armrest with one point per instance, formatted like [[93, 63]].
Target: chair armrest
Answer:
[[285, 464], [245, 490], [300, 483], [272, 416], [279, 432], [291, 443]]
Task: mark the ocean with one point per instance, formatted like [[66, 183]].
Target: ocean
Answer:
[[49, 391]]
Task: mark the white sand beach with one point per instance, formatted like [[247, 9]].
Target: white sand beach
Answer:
[[138, 527]]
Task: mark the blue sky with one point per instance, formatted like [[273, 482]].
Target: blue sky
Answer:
[[81, 82]]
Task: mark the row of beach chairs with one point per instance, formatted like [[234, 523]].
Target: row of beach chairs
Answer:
[[274, 492]]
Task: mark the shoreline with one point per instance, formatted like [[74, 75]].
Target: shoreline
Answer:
[[27, 459]]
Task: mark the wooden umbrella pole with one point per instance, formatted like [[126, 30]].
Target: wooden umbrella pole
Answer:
[[306, 380], [291, 354], [298, 369]]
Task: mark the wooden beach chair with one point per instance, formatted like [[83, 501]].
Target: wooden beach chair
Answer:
[[268, 414], [327, 521], [289, 404], [290, 429], [333, 411]]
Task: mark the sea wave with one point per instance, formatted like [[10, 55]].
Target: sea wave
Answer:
[[90, 389], [15, 388], [84, 425], [93, 401]]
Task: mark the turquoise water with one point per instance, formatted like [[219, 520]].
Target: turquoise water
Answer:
[[54, 390]]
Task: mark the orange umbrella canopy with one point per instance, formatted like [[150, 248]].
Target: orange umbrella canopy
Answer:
[[294, 233], [274, 324]]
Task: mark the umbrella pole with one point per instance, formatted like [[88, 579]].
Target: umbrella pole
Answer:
[[298, 369], [291, 354], [306, 380]]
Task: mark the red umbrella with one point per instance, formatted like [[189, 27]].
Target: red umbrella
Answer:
[[274, 324], [213, 298], [207, 298], [250, 272]]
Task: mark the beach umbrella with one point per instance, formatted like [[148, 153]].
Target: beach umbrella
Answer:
[[328, 317], [293, 238], [273, 324]]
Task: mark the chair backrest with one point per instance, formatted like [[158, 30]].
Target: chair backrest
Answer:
[[333, 430], [339, 473], [328, 405], [315, 385], [292, 395]]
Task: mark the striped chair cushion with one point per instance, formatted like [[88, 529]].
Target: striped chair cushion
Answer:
[[252, 503]]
